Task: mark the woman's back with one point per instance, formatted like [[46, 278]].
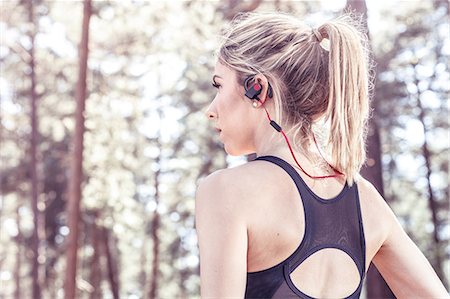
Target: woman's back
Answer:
[[331, 260]]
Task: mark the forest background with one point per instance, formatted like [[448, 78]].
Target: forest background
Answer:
[[103, 138]]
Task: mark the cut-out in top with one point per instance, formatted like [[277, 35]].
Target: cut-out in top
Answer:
[[329, 223]]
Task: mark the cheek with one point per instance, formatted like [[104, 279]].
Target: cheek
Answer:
[[235, 113], [238, 139], [231, 100], [227, 107]]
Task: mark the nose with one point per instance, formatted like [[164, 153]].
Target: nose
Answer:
[[210, 114]]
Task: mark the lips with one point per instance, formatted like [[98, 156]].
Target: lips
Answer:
[[218, 130]]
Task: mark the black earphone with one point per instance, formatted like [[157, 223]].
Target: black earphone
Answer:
[[254, 91]]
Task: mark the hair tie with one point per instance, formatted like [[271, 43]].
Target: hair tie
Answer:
[[317, 34]]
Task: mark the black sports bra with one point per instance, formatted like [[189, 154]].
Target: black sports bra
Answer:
[[329, 223]]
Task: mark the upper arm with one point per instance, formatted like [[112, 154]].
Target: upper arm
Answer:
[[222, 238], [404, 267]]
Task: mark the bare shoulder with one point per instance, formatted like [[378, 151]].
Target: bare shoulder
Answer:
[[233, 186], [378, 217], [373, 201], [238, 173]]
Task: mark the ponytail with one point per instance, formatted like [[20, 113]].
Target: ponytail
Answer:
[[348, 99]]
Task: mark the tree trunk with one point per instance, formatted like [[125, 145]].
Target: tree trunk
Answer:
[[376, 285], [153, 290], [36, 290], [143, 266], [17, 278], [433, 205], [73, 205], [112, 269], [96, 272]]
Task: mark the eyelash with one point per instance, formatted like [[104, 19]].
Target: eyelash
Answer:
[[215, 85]]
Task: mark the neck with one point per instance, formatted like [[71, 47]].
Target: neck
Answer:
[[269, 142], [274, 144]]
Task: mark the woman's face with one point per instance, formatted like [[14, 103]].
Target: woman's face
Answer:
[[232, 112]]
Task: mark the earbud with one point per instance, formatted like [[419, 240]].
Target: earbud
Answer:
[[254, 91]]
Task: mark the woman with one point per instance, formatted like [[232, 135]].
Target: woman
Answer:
[[296, 223]]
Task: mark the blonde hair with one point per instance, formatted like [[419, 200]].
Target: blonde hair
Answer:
[[310, 79]]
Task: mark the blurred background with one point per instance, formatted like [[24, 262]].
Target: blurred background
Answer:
[[101, 148]]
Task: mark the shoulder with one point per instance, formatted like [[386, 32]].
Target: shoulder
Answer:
[[218, 191], [230, 180], [370, 196], [368, 192], [233, 188], [377, 214]]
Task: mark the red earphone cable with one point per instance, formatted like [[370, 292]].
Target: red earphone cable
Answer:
[[338, 173]]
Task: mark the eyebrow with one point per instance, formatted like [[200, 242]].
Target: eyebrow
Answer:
[[216, 76]]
